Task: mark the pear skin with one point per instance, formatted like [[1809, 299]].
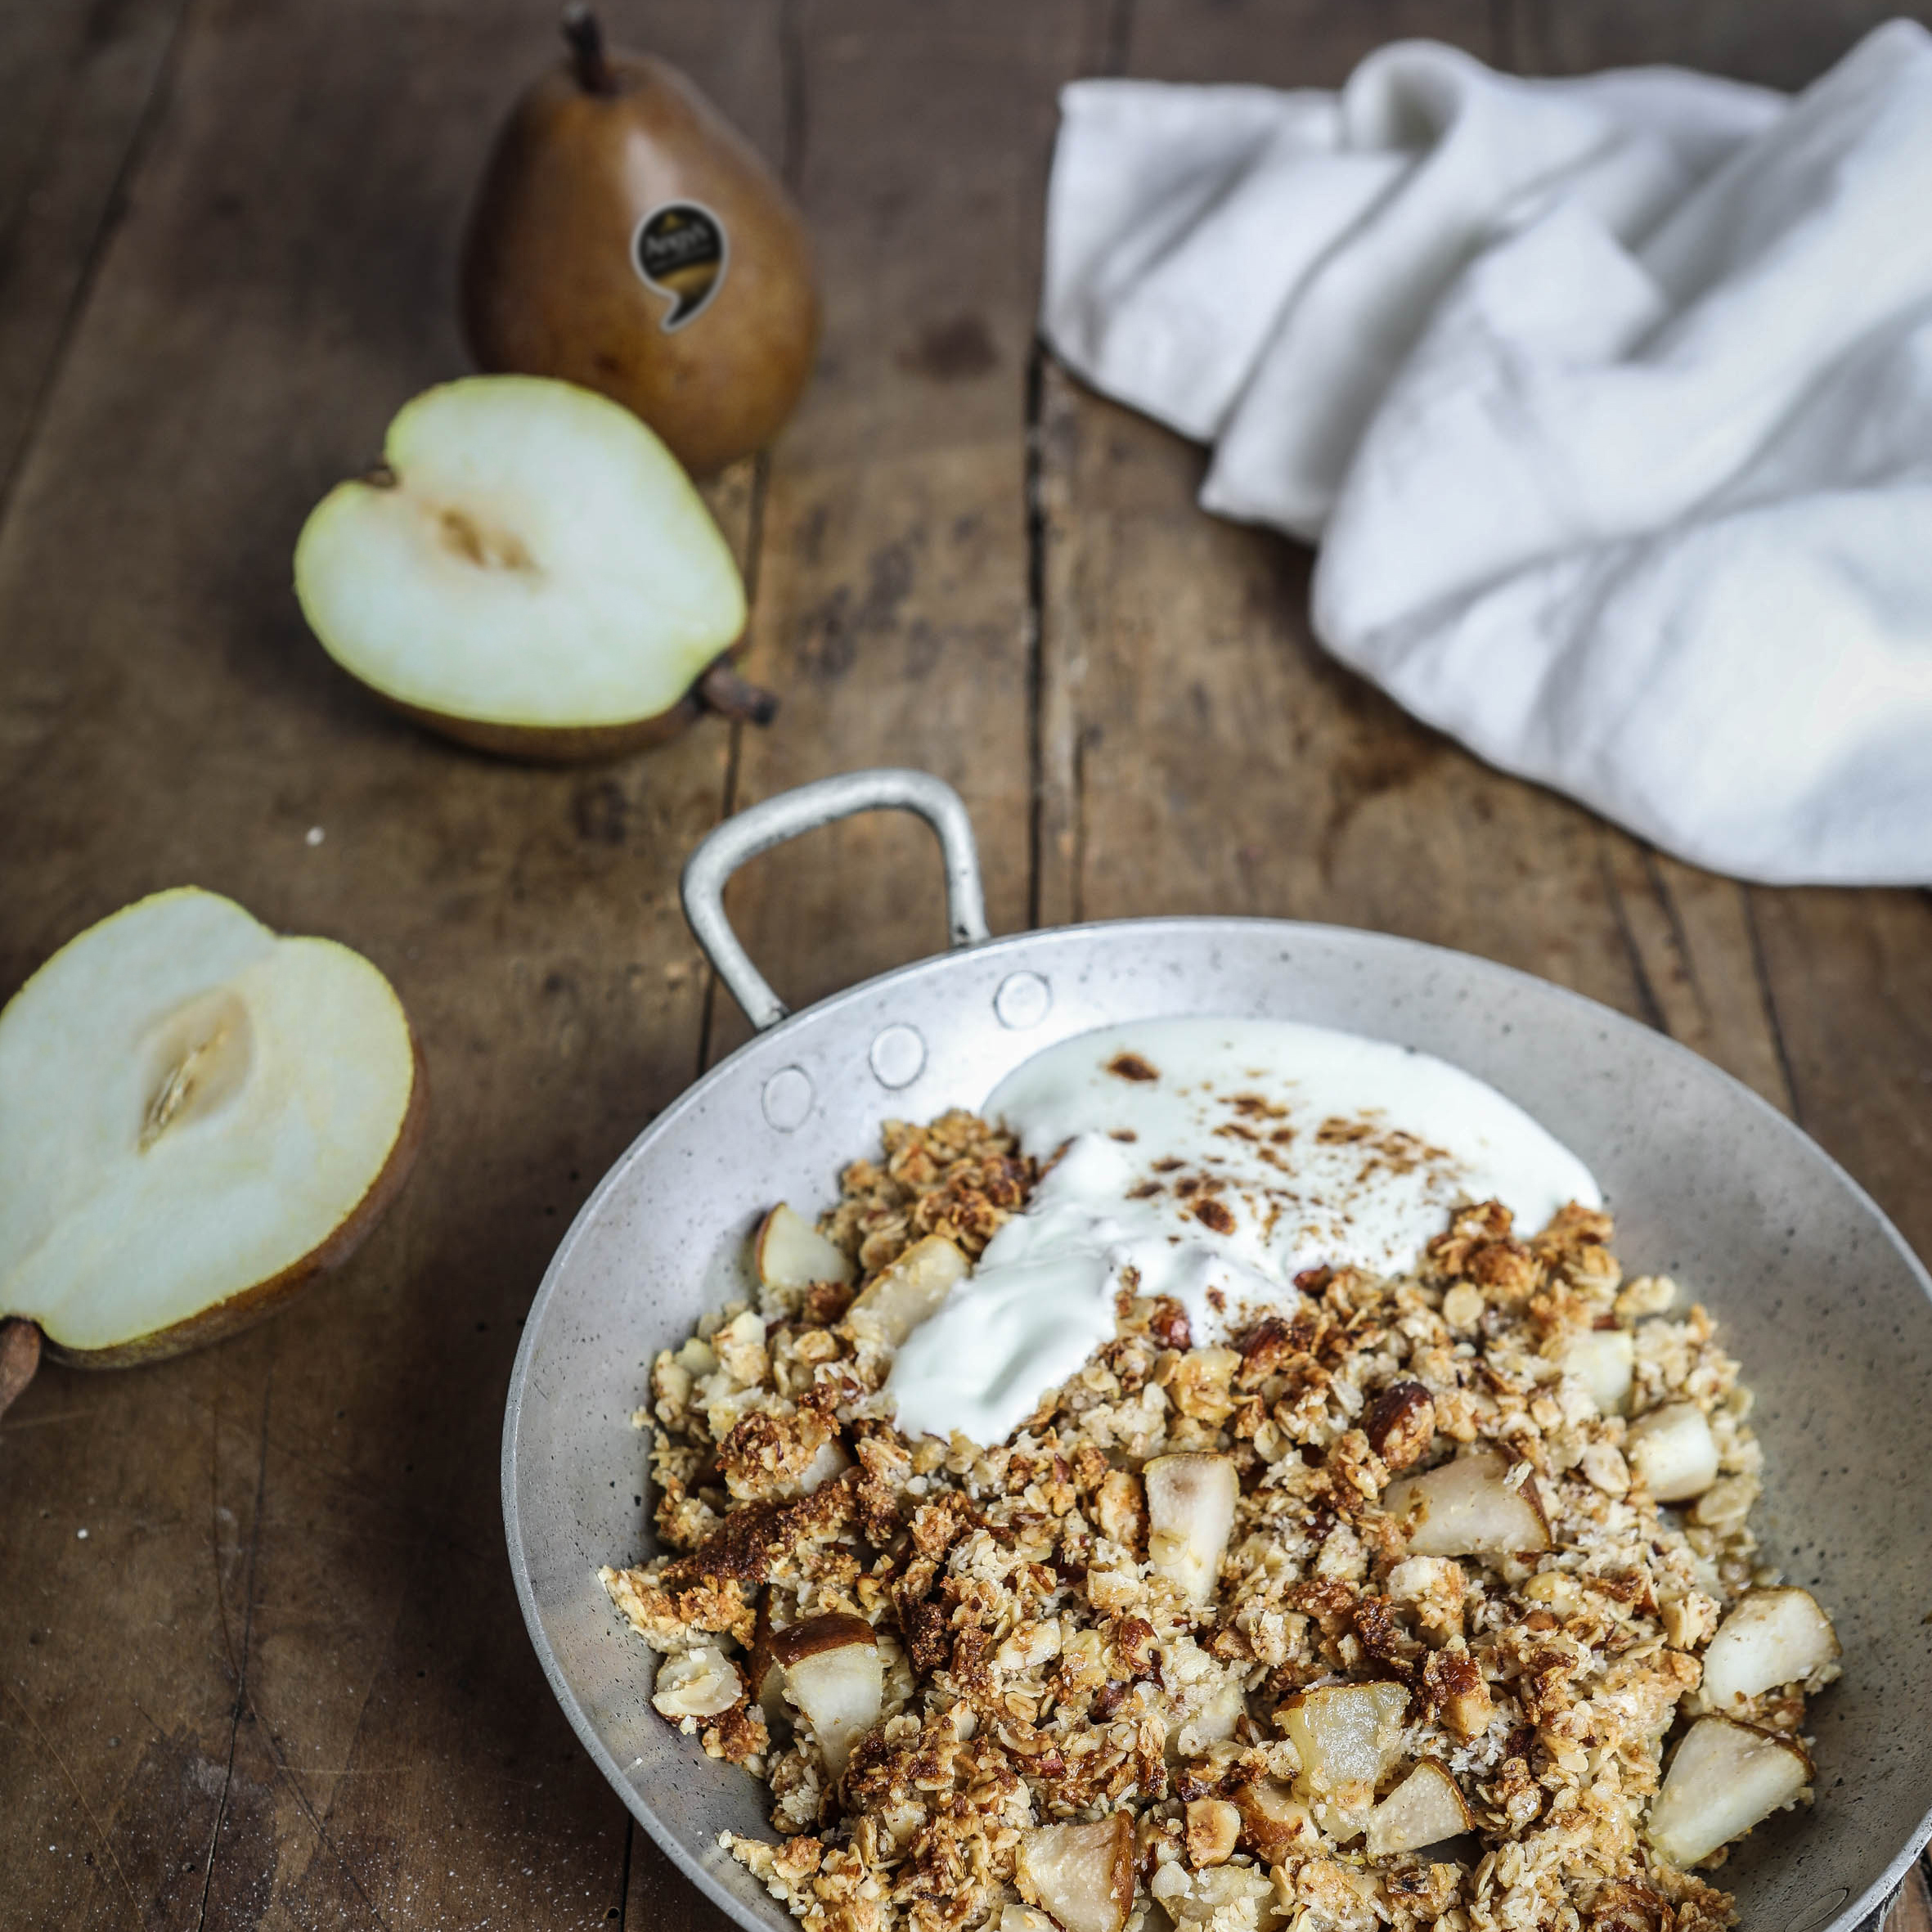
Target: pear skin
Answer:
[[627, 238]]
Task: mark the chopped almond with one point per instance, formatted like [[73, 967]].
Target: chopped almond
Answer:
[[1213, 1828]]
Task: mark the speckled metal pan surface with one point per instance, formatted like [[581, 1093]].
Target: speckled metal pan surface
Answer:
[[1828, 1310]]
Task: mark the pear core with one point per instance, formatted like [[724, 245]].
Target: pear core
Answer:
[[194, 1115], [528, 556]]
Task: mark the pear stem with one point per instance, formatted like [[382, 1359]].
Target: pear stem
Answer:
[[722, 690], [585, 37], [19, 1356]]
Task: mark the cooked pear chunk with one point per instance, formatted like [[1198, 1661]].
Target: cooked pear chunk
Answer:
[[197, 1118], [1347, 1736], [1672, 1452], [1213, 1831], [1724, 1778], [1604, 1361], [790, 1253], [1455, 1682], [1082, 1873], [529, 572], [1425, 1809], [1770, 1638], [1190, 1514], [1468, 1509], [1274, 1824], [829, 1668], [911, 1290], [1219, 1718]]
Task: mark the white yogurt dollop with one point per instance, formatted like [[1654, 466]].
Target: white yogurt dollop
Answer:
[[1211, 1161]]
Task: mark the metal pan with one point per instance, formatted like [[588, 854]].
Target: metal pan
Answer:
[[1827, 1307]]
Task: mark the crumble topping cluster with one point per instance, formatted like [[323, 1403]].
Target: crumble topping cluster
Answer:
[[1039, 1684]]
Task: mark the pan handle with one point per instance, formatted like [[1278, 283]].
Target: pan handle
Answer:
[[760, 827]]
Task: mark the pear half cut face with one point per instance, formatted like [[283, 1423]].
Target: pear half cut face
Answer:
[[530, 571], [196, 1117]]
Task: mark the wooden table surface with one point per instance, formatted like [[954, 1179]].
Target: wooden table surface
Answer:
[[260, 1660]]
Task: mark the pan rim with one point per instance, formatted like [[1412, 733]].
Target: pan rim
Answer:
[[1851, 1914]]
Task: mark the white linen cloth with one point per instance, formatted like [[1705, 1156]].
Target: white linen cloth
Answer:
[[1609, 400]]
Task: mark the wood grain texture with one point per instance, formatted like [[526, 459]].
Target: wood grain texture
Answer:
[[1778, 43], [893, 613], [1695, 952], [1850, 980], [1204, 755], [1287, 43], [1913, 1910], [129, 1506], [282, 1680], [78, 81], [343, 1721]]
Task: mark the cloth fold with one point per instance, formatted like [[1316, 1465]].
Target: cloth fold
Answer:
[[1609, 400]]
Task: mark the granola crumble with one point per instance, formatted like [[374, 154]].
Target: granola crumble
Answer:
[[1038, 1668]]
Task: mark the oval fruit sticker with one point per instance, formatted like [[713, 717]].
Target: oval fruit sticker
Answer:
[[679, 252]]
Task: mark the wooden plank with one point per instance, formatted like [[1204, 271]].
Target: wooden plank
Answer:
[[128, 1509], [1205, 756], [1912, 1912], [357, 1705], [893, 598], [1289, 43], [1691, 940], [1779, 43], [658, 1898], [1850, 980], [77, 80]]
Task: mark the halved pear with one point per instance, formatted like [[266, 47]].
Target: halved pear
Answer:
[[530, 573], [197, 1118]]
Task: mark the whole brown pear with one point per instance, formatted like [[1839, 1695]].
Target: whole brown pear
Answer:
[[627, 238]]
